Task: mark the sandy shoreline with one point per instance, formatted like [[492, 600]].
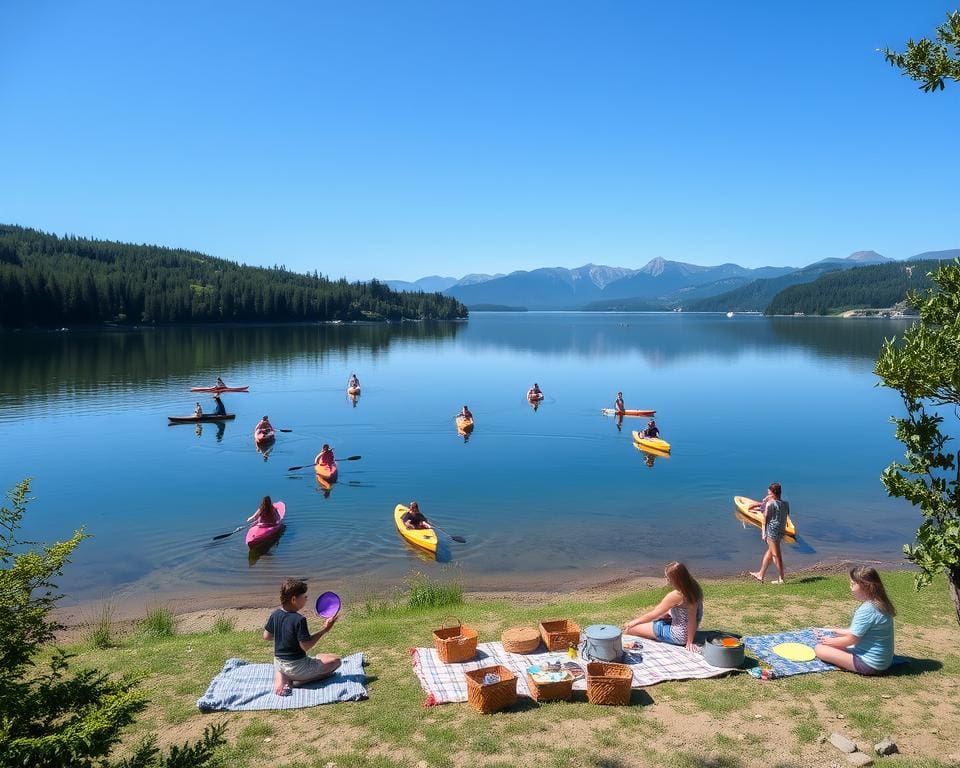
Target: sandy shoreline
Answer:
[[198, 612]]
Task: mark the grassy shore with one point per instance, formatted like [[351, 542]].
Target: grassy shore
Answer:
[[731, 722]]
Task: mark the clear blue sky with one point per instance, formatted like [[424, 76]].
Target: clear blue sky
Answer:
[[401, 139]]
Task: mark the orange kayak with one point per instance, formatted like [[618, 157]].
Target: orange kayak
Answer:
[[327, 472]]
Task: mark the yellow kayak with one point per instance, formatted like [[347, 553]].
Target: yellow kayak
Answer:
[[422, 538], [651, 442], [744, 507]]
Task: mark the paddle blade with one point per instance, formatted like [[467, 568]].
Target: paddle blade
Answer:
[[284, 430], [459, 539], [352, 458], [224, 535], [294, 469]]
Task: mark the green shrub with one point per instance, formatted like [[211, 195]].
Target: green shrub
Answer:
[[223, 624], [424, 593], [100, 631], [158, 622]]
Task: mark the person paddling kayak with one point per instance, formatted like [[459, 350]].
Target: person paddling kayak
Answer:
[[413, 518], [651, 430], [198, 411], [266, 514], [264, 426], [219, 409], [220, 384], [325, 456], [354, 382]]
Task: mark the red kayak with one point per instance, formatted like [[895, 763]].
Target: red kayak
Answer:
[[218, 390], [262, 437], [258, 534], [326, 472]]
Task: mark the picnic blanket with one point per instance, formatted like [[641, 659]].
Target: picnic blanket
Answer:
[[762, 647], [241, 685], [653, 663]]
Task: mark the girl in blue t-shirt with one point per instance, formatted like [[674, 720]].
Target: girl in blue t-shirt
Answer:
[[867, 646]]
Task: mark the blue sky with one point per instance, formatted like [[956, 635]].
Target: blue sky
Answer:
[[401, 139]]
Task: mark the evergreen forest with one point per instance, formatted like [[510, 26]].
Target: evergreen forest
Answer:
[[52, 281], [879, 286]]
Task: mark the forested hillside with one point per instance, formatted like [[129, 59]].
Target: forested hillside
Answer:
[[756, 295], [46, 280], [865, 287]]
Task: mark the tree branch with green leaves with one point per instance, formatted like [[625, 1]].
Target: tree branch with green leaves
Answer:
[[931, 62]]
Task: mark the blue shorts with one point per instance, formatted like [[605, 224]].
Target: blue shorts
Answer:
[[862, 668], [664, 632]]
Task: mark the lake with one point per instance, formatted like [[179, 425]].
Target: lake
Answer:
[[546, 498]]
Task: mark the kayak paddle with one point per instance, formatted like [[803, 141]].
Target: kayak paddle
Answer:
[[224, 535], [459, 539], [304, 466]]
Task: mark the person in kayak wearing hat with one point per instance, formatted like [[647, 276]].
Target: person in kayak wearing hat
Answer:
[[618, 403], [651, 430], [677, 616], [287, 627], [413, 518]]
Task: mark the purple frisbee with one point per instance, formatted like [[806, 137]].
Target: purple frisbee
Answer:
[[328, 604]]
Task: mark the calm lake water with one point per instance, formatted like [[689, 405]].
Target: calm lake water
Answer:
[[545, 498]]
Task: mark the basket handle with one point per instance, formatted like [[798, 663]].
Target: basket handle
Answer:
[[444, 625]]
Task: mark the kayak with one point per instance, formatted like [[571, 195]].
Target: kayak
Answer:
[[531, 395], [219, 389], [628, 412], [756, 516], [262, 437], [422, 538], [258, 534], [327, 472], [353, 391], [205, 417], [654, 443], [464, 424]]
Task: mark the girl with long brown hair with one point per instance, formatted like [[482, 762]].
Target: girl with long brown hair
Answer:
[[677, 616], [866, 647]]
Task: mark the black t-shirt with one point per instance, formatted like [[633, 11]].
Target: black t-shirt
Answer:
[[414, 518], [288, 629]]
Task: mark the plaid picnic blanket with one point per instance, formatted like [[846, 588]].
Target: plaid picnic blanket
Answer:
[[762, 647], [653, 663], [241, 685]]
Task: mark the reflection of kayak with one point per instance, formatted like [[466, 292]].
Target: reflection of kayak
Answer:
[[258, 534], [219, 389], [531, 395], [464, 424], [326, 472], [262, 437], [628, 412], [353, 391], [423, 538], [756, 516], [205, 417], [654, 443]]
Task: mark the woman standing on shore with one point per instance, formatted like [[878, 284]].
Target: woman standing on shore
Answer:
[[867, 646], [775, 511]]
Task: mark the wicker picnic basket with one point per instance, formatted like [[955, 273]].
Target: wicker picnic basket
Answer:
[[608, 683], [560, 634], [520, 640], [494, 696], [455, 642], [560, 691]]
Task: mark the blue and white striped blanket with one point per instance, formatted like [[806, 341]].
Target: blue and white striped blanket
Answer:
[[241, 685]]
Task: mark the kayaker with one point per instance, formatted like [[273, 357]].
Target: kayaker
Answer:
[[866, 647], [219, 409], [535, 390], [465, 414], [354, 381], [413, 518], [651, 430], [288, 629], [198, 411], [677, 616], [325, 456], [266, 514], [618, 405], [264, 425], [220, 384], [775, 511]]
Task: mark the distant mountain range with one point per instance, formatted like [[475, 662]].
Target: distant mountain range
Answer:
[[660, 284]]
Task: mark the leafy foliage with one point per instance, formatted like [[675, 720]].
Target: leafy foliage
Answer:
[[53, 718], [48, 280], [924, 367], [931, 62], [880, 285]]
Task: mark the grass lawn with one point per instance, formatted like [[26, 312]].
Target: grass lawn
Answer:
[[729, 722]]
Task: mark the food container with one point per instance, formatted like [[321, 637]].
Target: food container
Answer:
[[520, 640], [487, 697], [602, 642], [724, 651], [560, 634]]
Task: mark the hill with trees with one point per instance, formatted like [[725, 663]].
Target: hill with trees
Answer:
[[877, 286], [46, 280]]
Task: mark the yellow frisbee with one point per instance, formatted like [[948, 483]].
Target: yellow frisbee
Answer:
[[795, 651]]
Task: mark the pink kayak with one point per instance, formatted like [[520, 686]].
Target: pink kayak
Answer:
[[258, 534], [262, 437]]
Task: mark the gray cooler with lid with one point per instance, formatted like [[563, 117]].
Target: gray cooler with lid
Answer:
[[602, 642]]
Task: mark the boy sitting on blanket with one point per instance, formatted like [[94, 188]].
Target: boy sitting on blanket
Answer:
[[287, 627]]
